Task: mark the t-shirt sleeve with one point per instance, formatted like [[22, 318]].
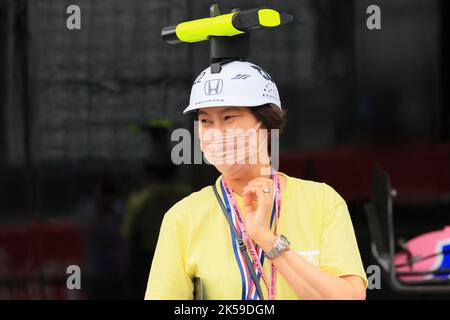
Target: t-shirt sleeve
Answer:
[[168, 279], [339, 250]]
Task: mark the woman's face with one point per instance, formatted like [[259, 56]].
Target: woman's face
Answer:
[[229, 149], [223, 118]]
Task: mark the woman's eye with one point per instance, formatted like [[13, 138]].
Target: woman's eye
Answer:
[[205, 121], [229, 117]]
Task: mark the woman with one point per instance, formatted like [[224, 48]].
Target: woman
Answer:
[[297, 236]]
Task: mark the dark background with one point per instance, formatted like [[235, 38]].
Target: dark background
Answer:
[[85, 118]]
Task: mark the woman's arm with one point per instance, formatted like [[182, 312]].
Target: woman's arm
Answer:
[[307, 280]]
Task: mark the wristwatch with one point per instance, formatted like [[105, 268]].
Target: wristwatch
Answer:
[[281, 244]]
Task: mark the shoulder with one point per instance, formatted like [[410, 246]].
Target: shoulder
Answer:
[[315, 191], [319, 201], [192, 207]]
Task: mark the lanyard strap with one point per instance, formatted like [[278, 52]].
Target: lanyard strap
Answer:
[[248, 286], [242, 246], [255, 252]]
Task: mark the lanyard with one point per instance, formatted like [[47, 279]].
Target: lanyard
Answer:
[[240, 252], [256, 252]]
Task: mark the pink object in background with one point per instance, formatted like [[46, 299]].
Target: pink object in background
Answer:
[[426, 245]]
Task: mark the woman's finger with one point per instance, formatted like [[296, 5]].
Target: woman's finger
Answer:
[[262, 198], [248, 201], [261, 185], [260, 180]]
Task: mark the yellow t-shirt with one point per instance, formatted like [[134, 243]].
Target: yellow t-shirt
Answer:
[[195, 241]]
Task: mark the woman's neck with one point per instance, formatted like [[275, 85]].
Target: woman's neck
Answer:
[[238, 184]]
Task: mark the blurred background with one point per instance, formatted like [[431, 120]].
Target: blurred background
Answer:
[[86, 117]]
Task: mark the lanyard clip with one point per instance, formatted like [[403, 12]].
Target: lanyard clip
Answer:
[[242, 245]]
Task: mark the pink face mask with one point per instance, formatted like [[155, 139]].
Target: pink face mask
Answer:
[[229, 151]]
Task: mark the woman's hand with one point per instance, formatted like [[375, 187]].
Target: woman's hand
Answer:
[[258, 207]]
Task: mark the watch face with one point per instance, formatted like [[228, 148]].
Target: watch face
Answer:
[[282, 243]]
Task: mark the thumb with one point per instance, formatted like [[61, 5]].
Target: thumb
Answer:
[[248, 201]]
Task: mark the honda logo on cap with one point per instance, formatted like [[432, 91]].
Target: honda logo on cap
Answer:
[[213, 87]]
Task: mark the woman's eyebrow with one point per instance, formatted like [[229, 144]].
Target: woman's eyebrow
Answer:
[[230, 109], [202, 112]]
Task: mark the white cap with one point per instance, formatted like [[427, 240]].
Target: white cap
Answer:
[[238, 84]]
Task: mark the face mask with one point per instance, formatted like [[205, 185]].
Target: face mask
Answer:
[[229, 151]]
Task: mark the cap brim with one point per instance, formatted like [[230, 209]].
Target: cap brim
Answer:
[[235, 103]]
